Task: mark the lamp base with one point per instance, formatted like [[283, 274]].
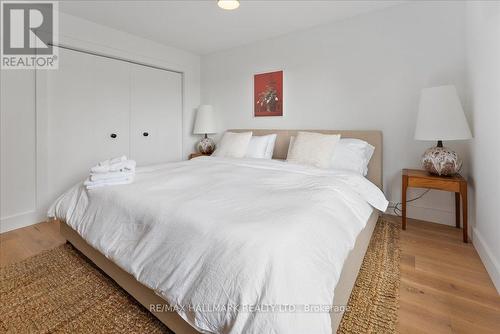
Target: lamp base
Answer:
[[206, 146], [441, 161]]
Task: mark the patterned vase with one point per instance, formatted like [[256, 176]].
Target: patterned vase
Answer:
[[441, 161], [206, 146]]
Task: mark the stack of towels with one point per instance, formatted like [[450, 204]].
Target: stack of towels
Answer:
[[111, 172]]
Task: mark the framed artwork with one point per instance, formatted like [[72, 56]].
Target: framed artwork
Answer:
[[268, 94]]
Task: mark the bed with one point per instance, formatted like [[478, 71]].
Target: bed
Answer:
[[209, 259]]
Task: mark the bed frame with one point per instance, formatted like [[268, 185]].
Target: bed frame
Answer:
[[148, 297]]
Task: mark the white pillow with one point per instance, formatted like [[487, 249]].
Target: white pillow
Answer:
[[314, 149], [353, 154], [261, 147], [350, 154], [233, 145]]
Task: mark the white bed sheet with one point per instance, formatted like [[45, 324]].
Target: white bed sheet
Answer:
[[216, 237]]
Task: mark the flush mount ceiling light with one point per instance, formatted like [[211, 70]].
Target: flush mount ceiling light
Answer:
[[228, 4]]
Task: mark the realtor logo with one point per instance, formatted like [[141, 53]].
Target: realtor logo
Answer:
[[28, 35]]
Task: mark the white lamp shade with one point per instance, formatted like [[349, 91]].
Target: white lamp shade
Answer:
[[440, 115], [205, 120]]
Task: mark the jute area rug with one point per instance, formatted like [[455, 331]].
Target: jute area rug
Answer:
[[60, 291]]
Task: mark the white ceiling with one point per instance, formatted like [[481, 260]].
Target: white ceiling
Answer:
[[202, 27]]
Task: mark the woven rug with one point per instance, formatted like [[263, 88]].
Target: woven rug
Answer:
[[373, 305], [60, 291]]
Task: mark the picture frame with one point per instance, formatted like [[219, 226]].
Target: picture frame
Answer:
[[268, 94]]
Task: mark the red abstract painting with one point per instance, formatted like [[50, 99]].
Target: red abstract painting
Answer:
[[268, 94]]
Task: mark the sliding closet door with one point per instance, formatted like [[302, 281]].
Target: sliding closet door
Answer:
[[88, 115], [93, 108], [155, 115]]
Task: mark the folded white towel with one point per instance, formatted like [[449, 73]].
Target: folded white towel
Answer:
[[122, 166], [110, 175], [112, 161], [111, 172], [102, 183]]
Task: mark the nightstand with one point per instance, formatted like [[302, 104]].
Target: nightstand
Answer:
[[421, 179], [195, 155]]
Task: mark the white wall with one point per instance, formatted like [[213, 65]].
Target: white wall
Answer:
[[362, 73], [17, 150], [483, 74], [18, 167]]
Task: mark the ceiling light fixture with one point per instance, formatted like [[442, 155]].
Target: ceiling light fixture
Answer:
[[228, 4]]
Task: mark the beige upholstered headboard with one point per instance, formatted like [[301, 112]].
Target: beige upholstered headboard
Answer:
[[373, 137]]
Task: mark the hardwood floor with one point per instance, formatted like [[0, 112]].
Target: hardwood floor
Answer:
[[22, 243], [444, 285]]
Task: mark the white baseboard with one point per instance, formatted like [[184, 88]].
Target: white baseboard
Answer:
[[491, 263], [20, 220], [435, 215]]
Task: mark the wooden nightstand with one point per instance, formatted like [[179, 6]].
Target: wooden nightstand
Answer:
[[421, 179], [195, 155]]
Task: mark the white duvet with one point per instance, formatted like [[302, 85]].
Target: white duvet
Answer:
[[236, 246]]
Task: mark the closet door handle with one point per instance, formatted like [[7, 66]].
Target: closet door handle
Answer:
[[113, 135], [145, 134]]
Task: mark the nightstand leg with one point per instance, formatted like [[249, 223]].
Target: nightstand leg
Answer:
[[463, 193], [403, 200], [457, 210]]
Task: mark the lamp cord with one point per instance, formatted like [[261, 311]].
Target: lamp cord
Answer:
[[396, 207]]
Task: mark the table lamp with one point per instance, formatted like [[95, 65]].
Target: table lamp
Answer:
[[441, 117], [205, 124]]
